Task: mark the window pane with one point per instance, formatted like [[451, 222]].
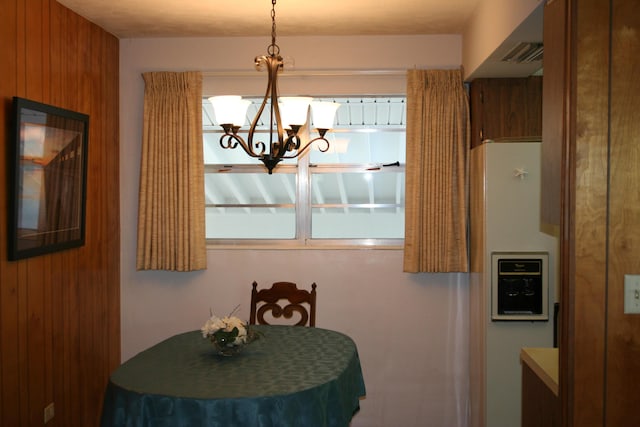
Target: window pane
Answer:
[[355, 191], [250, 188], [348, 188], [357, 223], [372, 112], [250, 223], [350, 205], [353, 147]]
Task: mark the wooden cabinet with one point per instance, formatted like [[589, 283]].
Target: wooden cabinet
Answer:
[[540, 401], [505, 108], [553, 114]]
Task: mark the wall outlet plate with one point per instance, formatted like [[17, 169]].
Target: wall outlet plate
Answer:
[[49, 412], [632, 293]]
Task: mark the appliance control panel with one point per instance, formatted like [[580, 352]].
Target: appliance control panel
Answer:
[[519, 286]]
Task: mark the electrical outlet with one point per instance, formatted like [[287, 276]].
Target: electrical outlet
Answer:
[[632, 293], [49, 412]]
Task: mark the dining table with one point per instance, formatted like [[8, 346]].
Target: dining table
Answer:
[[291, 376]]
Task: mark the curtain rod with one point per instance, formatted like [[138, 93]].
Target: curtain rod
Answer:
[[308, 73]]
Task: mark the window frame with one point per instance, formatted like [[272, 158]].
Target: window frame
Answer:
[[303, 206]]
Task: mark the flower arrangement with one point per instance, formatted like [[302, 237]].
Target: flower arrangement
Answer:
[[228, 334]]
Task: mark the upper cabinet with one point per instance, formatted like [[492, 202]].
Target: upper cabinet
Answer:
[[553, 116], [505, 108]]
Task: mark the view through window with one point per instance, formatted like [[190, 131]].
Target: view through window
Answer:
[[352, 194]]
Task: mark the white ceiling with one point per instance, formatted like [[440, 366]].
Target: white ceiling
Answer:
[[209, 18], [236, 18]]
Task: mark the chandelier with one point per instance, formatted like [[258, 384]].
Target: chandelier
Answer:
[[287, 115]]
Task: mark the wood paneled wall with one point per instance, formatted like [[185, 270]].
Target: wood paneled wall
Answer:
[[623, 249], [60, 313], [600, 230]]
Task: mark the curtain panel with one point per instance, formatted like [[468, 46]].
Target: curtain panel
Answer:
[[438, 138], [171, 223]]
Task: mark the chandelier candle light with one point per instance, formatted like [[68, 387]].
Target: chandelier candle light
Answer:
[[287, 115]]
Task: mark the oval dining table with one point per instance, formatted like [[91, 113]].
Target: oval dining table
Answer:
[[292, 376]]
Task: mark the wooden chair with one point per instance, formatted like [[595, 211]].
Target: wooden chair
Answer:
[[293, 301]]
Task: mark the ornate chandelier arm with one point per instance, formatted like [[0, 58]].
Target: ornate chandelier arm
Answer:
[[231, 141], [273, 63], [300, 151], [281, 142], [292, 143]]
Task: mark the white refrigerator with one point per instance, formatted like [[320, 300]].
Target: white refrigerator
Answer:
[[505, 225]]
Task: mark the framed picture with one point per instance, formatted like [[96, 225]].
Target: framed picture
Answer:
[[48, 166]]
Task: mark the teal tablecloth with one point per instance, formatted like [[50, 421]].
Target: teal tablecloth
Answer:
[[291, 377]]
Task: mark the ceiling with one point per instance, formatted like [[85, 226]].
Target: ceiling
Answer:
[[210, 18], [245, 18]]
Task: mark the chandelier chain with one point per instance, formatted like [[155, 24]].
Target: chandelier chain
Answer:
[[284, 141], [274, 49]]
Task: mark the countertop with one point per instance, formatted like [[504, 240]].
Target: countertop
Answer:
[[544, 363]]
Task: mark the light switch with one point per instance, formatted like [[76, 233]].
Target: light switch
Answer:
[[632, 293]]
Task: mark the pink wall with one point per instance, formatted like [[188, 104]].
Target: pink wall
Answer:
[[411, 329]]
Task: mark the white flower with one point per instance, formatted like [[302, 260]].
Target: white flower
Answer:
[[234, 322], [214, 324]]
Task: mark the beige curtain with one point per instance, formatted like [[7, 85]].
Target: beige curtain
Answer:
[[436, 172], [171, 234]]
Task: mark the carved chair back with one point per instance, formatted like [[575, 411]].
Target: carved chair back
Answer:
[[283, 299]]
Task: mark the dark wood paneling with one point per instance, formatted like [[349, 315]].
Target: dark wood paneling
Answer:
[[34, 283], [623, 330], [505, 108], [589, 266], [10, 44], [60, 313], [567, 177], [112, 197]]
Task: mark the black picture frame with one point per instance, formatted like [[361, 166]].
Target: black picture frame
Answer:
[[48, 179]]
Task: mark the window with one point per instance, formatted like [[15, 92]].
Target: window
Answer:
[[351, 195]]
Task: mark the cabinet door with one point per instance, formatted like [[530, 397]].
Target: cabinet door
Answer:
[[540, 406], [554, 95], [505, 108]]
